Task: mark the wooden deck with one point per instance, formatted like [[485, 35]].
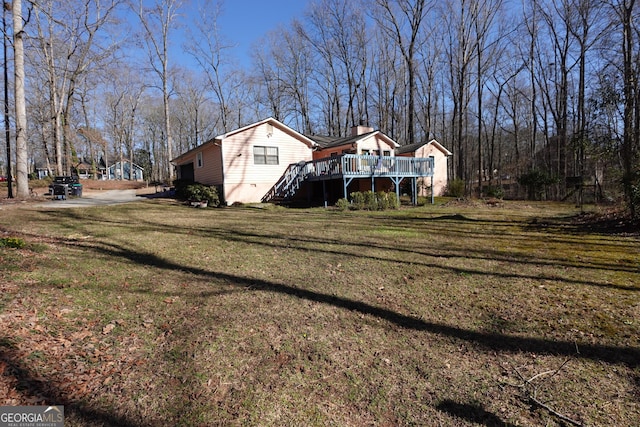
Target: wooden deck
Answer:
[[348, 167], [357, 166]]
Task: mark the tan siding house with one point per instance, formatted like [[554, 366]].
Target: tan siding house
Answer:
[[245, 163], [440, 155]]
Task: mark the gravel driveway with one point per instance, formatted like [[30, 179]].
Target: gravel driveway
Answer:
[[97, 198]]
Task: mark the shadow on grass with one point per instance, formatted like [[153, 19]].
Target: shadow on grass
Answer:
[[353, 250], [456, 217], [473, 413], [499, 342], [47, 393], [486, 253]]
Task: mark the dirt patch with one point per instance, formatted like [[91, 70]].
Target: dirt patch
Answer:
[[609, 221], [112, 185]]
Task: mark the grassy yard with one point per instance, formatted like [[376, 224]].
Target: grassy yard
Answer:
[[153, 313]]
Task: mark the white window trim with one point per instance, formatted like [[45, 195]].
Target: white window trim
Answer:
[[266, 156]]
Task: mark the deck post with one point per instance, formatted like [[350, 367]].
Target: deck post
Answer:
[[396, 181], [414, 191], [324, 192], [433, 201], [344, 185]]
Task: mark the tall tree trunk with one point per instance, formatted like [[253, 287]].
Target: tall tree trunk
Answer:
[[6, 105], [630, 88], [22, 172]]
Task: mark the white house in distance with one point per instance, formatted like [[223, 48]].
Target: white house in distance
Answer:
[[264, 160], [125, 170]]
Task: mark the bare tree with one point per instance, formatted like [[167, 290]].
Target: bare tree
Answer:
[[631, 99], [270, 86], [291, 64], [429, 71], [484, 14], [337, 31], [69, 44], [531, 23], [197, 117], [209, 48], [459, 55], [386, 85], [398, 14], [22, 170], [557, 15], [158, 19]]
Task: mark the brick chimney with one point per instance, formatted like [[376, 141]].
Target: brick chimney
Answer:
[[360, 129]]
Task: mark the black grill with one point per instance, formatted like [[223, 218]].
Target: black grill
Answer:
[[65, 186]]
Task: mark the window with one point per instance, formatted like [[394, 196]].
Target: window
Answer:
[[199, 160], [265, 155], [365, 152], [386, 153]]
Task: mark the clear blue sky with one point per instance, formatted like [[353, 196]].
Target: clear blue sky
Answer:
[[243, 22]]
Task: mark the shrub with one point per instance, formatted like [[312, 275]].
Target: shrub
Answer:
[[357, 200], [383, 200], [497, 192], [536, 182], [342, 204], [392, 201], [12, 242], [180, 186], [423, 201], [634, 203], [370, 201], [202, 193], [456, 188]]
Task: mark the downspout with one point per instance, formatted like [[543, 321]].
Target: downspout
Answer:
[[223, 187]]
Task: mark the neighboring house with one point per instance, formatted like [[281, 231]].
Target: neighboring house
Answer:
[[440, 156], [87, 170], [42, 171], [84, 170], [125, 170], [267, 161]]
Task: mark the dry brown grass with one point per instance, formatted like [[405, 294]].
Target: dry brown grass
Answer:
[[154, 313]]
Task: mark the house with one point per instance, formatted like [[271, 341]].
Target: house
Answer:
[[245, 163], [125, 170], [269, 161], [363, 140], [440, 155], [91, 170]]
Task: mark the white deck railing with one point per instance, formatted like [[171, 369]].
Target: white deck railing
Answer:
[[354, 166]]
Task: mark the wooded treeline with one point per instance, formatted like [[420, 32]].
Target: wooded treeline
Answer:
[[530, 92]]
